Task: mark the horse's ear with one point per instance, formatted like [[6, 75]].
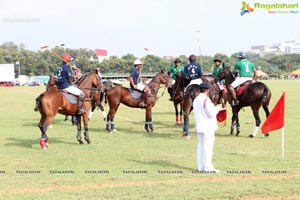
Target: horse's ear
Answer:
[[97, 70], [223, 64], [161, 71]]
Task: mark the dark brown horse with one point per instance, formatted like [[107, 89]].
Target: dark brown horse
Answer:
[[191, 93], [53, 101], [176, 93], [98, 98], [118, 95], [254, 95]]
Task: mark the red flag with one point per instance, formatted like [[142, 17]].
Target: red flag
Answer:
[[276, 118], [101, 52], [222, 115], [146, 49]]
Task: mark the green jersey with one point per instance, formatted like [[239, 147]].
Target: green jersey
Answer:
[[216, 70], [245, 68], [174, 71]]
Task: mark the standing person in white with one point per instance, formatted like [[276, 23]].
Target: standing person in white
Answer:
[[205, 126]]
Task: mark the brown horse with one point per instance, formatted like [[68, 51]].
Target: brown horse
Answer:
[[191, 93], [118, 94], [53, 101], [176, 92], [254, 95]]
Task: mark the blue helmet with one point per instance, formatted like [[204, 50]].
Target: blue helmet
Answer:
[[241, 55]]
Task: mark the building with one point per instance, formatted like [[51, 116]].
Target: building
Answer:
[[287, 47]]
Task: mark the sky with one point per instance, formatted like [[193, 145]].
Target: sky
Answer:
[[166, 27]]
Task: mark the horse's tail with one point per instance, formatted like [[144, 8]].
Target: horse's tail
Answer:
[[37, 102], [105, 98], [265, 95]]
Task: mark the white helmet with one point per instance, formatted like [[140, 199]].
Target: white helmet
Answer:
[[137, 62]]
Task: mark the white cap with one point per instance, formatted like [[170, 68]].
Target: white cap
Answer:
[[137, 62]]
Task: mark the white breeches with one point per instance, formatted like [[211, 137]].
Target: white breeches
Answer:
[[197, 81], [140, 87], [76, 91], [239, 81]]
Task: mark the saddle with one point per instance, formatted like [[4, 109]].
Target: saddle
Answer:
[[239, 90], [73, 99], [136, 94]]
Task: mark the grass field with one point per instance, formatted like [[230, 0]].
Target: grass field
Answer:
[[132, 164]]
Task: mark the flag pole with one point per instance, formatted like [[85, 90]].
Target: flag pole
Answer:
[[282, 143]]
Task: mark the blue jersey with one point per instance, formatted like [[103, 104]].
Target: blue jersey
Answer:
[[64, 76], [135, 73], [193, 71]]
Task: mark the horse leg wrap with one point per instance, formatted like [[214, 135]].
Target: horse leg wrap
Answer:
[[112, 125], [181, 119], [177, 120], [151, 126], [255, 130], [146, 126], [108, 125], [104, 115], [186, 129]]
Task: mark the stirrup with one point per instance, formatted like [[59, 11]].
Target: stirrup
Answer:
[[235, 103], [80, 112], [142, 104]]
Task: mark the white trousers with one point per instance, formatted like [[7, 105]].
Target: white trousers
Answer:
[[239, 81], [140, 87], [205, 151], [197, 81], [74, 90]]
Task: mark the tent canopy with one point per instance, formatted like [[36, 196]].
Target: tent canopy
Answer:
[[296, 72], [260, 73]]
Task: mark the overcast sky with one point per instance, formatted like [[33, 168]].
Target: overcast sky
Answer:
[[168, 27]]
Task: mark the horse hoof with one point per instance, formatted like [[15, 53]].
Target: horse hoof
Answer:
[[250, 136], [151, 129], [80, 141], [104, 119], [88, 141], [237, 135], [267, 135]]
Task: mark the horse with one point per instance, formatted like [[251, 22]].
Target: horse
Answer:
[[255, 95], [99, 96], [117, 95], [192, 91], [53, 101], [176, 93]]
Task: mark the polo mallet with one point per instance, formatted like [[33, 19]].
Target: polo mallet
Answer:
[[72, 66]]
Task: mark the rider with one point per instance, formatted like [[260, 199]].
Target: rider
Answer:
[[246, 71], [65, 79], [193, 71], [174, 70], [134, 80], [215, 71]]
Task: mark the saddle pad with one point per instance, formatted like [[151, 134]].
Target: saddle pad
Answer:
[[240, 90], [135, 93], [71, 98]]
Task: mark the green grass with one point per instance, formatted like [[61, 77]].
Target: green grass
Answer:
[[131, 148]]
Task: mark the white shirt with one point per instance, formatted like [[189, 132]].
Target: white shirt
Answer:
[[205, 114]]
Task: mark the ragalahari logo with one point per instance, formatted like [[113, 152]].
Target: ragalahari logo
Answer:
[[246, 8]]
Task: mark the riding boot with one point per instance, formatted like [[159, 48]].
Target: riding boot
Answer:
[[235, 101], [142, 100], [80, 111]]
